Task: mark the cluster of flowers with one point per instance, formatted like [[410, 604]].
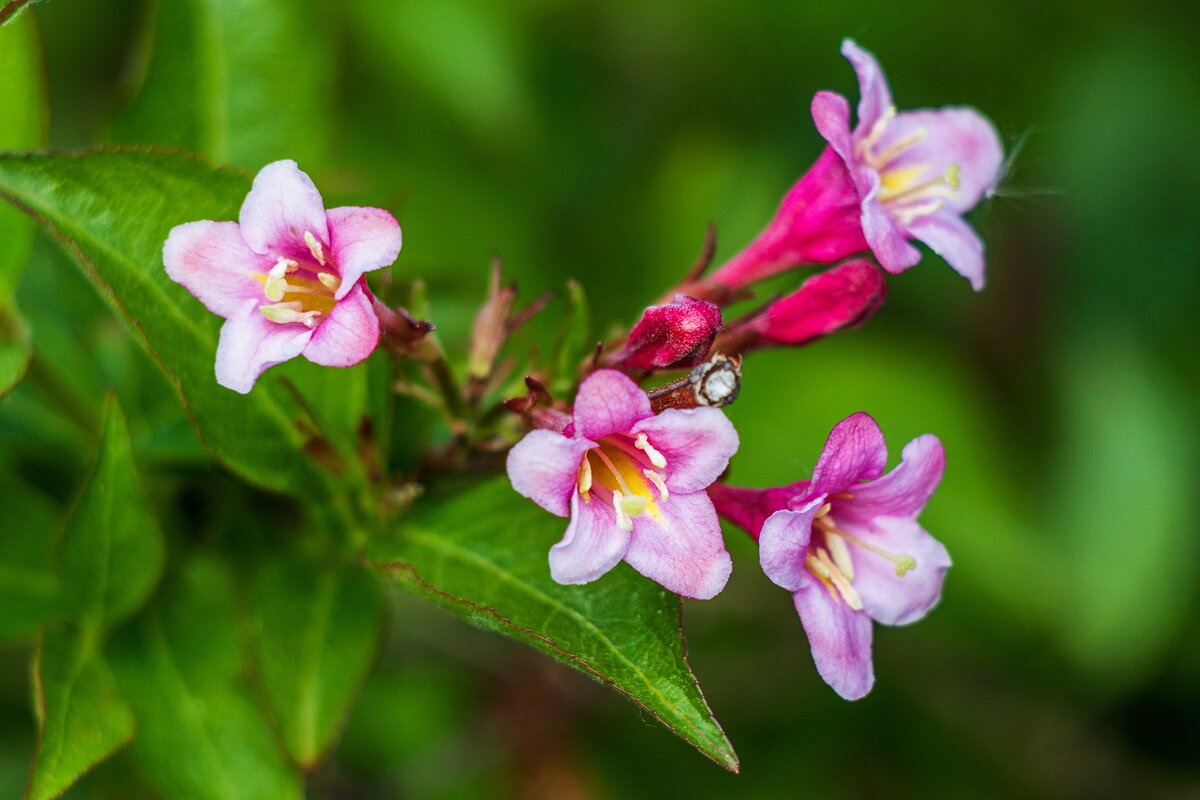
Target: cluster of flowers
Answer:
[[638, 473]]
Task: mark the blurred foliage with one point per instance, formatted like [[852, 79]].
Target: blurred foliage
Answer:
[[595, 141]]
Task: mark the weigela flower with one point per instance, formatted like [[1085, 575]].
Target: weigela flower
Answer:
[[838, 299], [632, 483], [287, 277], [848, 546], [895, 177], [676, 334]]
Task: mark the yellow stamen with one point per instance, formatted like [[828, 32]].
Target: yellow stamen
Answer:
[[314, 247], [329, 280], [839, 551], [904, 562], [584, 480]]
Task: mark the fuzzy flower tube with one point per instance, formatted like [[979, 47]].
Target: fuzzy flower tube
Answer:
[[847, 544], [287, 277], [894, 177], [632, 483]]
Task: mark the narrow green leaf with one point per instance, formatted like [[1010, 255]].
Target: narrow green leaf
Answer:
[[574, 339], [481, 555], [10, 11], [111, 552], [317, 629], [112, 210], [243, 81], [200, 737], [81, 718], [22, 127]]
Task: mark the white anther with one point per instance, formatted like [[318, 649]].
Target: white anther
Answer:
[[623, 520], [276, 284], [314, 247], [656, 458], [584, 481], [329, 280], [290, 312], [659, 483], [839, 551], [634, 505]]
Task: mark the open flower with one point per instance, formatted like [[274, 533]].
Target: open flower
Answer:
[[895, 177], [632, 483], [848, 546], [287, 277]]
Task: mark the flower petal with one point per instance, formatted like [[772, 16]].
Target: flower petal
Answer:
[[840, 638], [361, 239], [831, 115], [886, 597], [885, 236], [544, 465], [750, 508], [953, 136], [250, 343], [839, 298], [696, 442], [609, 402], [905, 490], [349, 334], [955, 241], [874, 96], [854, 451], [213, 262], [282, 205], [682, 548], [783, 544], [592, 545]]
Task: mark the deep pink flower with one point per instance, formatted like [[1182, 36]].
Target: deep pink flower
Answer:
[[633, 484], [287, 277], [838, 299], [848, 546], [895, 177], [676, 334]]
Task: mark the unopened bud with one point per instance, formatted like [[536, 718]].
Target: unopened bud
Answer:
[[676, 334]]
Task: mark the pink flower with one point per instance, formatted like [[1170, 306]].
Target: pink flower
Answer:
[[287, 277], [848, 546], [895, 177], [677, 334], [633, 484]]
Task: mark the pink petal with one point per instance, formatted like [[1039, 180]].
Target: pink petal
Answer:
[[750, 508], [682, 548], [854, 451], [212, 261], [349, 334], [831, 115], [887, 239], [592, 545], [955, 135], [609, 402], [890, 599], [783, 544], [905, 490], [697, 444], [282, 205], [875, 97], [544, 465], [675, 334], [250, 343], [955, 241], [840, 638], [840, 298], [362, 240]]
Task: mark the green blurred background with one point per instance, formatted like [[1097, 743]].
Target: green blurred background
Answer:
[[596, 140]]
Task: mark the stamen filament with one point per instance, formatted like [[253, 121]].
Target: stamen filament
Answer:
[[616, 473], [904, 562]]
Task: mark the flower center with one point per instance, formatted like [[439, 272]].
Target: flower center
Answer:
[[829, 558], [628, 472], [300, 292], [901, 189]]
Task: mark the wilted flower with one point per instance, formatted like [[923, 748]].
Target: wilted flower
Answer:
[[287, 277], [895, 177], [676, 334], [848, 546], [633, 484]]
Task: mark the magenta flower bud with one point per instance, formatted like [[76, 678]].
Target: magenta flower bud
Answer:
[[678, 334], [894, 177]]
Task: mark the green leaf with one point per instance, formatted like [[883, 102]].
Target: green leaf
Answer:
[[111, 553], [317, 629], [81, 718], [481, 555], [200, 737], [22, 127], [13, 9], [243, 81], [112, 210], [30, 593]]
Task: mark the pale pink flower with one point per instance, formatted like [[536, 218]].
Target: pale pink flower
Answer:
[[287, 277]]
